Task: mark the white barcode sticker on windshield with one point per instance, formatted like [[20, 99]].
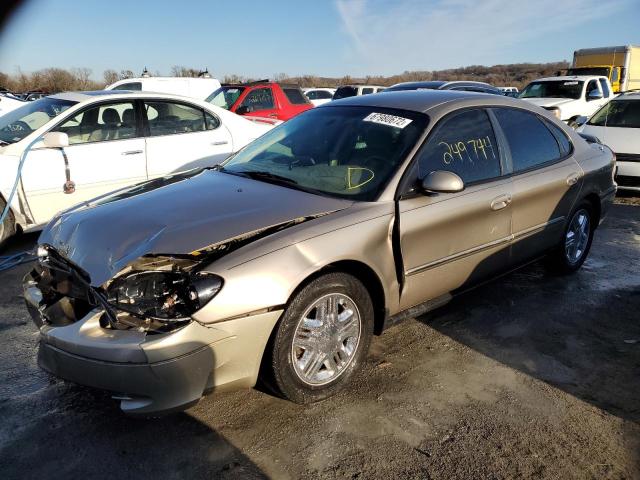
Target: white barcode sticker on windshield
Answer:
[[571, 83], [386, 119]]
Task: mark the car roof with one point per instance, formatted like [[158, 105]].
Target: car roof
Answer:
[[424, 100], [630, 95], [84, 96], [562, 78]]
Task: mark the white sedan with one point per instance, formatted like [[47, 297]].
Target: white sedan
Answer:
[[617, 125], [318, 96], [87, 144]]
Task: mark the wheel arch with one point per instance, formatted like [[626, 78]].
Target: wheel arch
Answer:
[[594, 200], [366, 275]]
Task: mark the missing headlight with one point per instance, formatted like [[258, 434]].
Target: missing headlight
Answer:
[[160, 300]]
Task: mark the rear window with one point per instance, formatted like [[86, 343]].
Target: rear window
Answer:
[[129, 86], [618, 113], [295, 96], [530, 141], [344, 92]]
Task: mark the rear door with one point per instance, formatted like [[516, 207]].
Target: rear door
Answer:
[[181, 136], [546, 180], [449, 240], [106, 151]]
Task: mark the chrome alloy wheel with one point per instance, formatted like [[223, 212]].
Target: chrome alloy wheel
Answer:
[[577, 237], [326, 339]]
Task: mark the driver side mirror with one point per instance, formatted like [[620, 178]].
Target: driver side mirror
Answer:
[[60, 140], [594, 95], [581, 120], [442, 181], [55, 140], [244, 109]]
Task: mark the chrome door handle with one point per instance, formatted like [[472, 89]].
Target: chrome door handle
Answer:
[[573, 179], [132, 152], [222, 142], [501, 202]]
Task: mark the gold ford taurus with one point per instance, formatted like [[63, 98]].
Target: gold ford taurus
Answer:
[[282, 262]]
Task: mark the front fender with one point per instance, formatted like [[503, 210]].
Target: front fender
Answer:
[[269, 280]]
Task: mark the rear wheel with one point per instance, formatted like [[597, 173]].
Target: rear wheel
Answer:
[[322, 338], [8, 225], [576, 243]]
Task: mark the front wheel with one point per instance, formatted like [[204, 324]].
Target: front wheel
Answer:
[[322, 338], [576, 243]]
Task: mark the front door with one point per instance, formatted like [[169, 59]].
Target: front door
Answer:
[[449, 240], [183, 136], [105, 152]]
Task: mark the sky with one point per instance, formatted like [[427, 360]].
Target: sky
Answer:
[[316, 37]]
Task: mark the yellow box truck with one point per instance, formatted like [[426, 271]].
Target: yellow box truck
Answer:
[[620, 64]]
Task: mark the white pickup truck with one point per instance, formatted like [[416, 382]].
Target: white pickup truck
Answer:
[[569, 97]]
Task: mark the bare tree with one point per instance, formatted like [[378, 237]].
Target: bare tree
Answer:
[[110, 76], [124, 74]]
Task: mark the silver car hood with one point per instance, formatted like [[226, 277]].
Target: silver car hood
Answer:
[[174, 215]]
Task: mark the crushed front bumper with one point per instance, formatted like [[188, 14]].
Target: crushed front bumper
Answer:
[[152, 374]]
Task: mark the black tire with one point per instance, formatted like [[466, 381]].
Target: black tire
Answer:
[[279, 369], [8, 226], [560, 261]]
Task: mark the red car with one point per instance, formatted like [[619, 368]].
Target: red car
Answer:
[[261, 99]]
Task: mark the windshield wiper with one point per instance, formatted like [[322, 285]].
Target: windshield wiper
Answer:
[[267, 176], [4, 142]]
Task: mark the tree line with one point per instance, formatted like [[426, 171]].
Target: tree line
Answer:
[[55, 80]]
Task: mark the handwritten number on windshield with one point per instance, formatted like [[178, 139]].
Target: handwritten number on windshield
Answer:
[[458, 150]]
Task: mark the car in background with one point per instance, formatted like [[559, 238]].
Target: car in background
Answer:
[[318, 96], [462, 85], [87, 144], [617, 125], [509, 91], [261, 99], [199, 88], [346, 91], [9, 102], [32, 95], [569, 97], [284, 261]]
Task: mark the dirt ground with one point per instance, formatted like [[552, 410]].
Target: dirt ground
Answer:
[[530, 376]]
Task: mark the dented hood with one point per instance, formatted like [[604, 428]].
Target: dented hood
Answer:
[[174, 215]]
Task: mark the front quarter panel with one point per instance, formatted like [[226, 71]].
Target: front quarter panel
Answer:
[[264, 276]]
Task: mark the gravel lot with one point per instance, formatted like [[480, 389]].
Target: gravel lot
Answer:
[[530, 376]]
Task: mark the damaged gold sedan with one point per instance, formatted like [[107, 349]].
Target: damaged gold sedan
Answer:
[[282, 262]]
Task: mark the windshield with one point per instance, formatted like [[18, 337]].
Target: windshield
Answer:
[[618, 113], [553, 89], [346, 152], [18, 123], [344, 92], [225, 97]]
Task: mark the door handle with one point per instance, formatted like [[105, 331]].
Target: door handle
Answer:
[[501, 202], [273, 115], [132, 152], [573, 178], [222, 142]]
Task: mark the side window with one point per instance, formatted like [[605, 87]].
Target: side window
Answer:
[[137, 86], [211, 121], [313, 94], [464, 144], [593, 85], [615, 74], [295, 96], [561, 137], [115, 121], [367, 90], [530, 141], [380, 89], [259, 99], [605, 88], [168, 118]]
